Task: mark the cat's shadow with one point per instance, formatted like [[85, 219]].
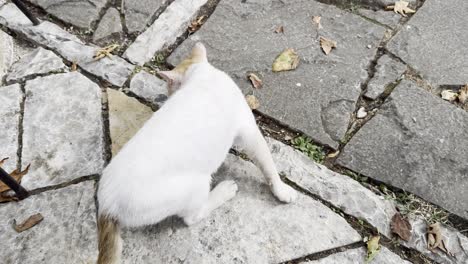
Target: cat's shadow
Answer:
[[250, 186]]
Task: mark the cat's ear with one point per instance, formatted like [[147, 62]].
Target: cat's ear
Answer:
[[173, 79], [199, 53], [170, 76]]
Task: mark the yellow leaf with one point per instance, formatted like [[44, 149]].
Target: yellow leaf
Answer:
[[327, 45], [373, 248], [286, 61], [256, 82], [252, 101], [105, 52], [334, 154], [74, 67], [317, 19], [401, 7]]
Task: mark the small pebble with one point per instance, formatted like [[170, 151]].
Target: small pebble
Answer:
[[361, 113], [369, 46], [298, 84]]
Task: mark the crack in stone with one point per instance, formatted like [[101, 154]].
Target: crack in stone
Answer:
[[91, 177]]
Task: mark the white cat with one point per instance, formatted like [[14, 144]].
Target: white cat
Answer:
[[165, 169]]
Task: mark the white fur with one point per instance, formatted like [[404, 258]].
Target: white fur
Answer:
[[165, 169]]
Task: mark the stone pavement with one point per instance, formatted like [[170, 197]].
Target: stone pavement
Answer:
[[67, 114]]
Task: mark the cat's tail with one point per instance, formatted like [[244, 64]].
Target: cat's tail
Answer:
[[110, 242]]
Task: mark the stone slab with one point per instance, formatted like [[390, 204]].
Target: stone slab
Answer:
[[387, 72], [340, 190], [138, 13], [126, 117], [323, 88], [81, 13], [358, 255], [10, 111], [388, 18], [66, 235], [164, 31], [456, 243], [253, 227], [6, 53], [114, 70], [415, 142], [109, 25], [63, 133], [434, 44], [39, 61], [149, 87]]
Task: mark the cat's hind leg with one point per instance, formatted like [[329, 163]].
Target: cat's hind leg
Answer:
[[223, 192], [253, 143]]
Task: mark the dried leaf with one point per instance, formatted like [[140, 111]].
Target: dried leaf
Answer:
[[449, 95], [279, 29], [105, 52], [4, 198], [463, 94], [3, 161], [401, 7], [401, 227], [252, 101], [256, 82], [327, 45], [373, 248], [334, 154], [435, 240], [30, 222], [74, 66], [317, 19], [17, 175], [196, 24], [286, 61]]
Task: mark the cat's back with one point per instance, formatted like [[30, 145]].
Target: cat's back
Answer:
[[193, 130]]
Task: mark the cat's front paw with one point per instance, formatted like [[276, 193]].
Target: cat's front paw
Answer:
[[284, 192]]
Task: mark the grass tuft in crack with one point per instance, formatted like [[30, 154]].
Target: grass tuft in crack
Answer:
[[305, 145]]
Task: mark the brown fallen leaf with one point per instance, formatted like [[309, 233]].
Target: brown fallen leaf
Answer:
[[400, 7], [449, 95], [256, 82], [435, 239], [401, 227], [17, 175], [3, 161], [4, 198], [463, 94], [252, 101], [196, 24], [279, 29], [317, 19], [373, 248], [30, 222], [74, 67], [286, 61], [327, 45]]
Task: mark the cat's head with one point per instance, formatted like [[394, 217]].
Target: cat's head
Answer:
[[175, 76]]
